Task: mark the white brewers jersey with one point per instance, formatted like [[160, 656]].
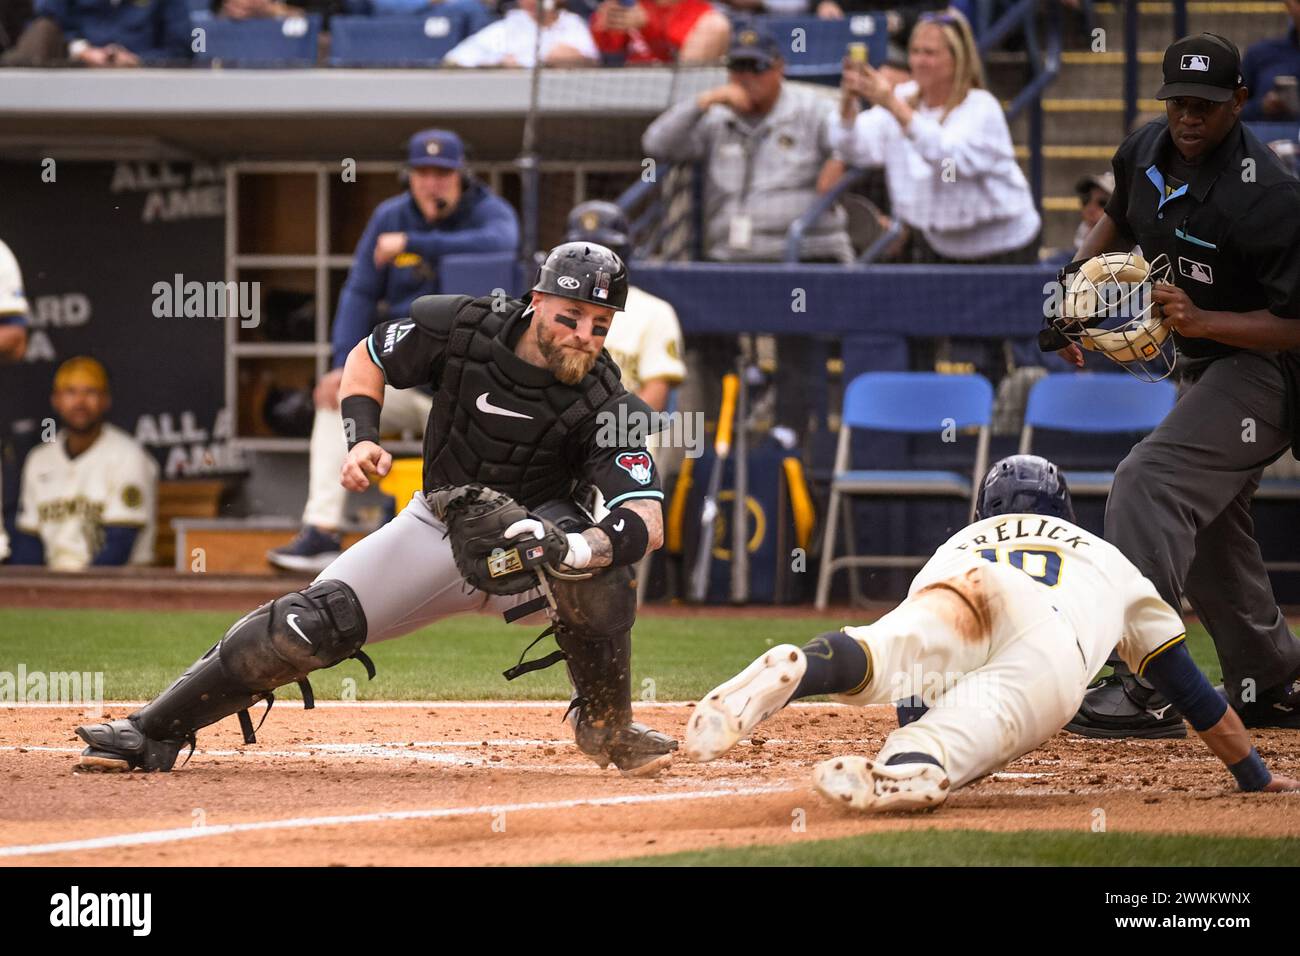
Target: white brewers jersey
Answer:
[[645, 340], [1103, 596], [12, 299], [68, 501]]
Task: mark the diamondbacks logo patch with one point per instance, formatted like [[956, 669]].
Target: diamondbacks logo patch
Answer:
[[1197, 271], [637, 464]]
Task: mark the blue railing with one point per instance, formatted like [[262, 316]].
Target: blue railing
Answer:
[[1132, 28]]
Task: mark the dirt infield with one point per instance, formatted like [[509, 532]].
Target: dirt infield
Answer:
[[483, 783]]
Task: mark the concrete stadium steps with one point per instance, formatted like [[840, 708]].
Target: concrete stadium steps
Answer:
[[1084, 122], [1085, 74], [1241, 21]]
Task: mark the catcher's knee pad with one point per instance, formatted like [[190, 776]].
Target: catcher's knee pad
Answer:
[[278, 643], [598, 607]]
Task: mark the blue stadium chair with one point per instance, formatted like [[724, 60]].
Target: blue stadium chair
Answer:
[[1097, 404], [395, 41], [902, 403], [477, 274], [818, 52], [288, 42]]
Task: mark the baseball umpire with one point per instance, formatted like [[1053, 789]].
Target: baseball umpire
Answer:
[[516, 437], [1201, 189]]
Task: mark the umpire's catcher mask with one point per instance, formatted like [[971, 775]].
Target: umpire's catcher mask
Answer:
[[1024, 484], [1107, 307], [584, 271]]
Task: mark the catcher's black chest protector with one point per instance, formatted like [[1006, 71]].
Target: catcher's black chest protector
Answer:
[[501, 421]]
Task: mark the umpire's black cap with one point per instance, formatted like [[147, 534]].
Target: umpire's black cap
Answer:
[[600, 222], [585, 271], [1207, 67], [1024, 484]]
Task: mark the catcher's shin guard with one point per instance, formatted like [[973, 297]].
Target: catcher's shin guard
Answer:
[[278, 643], [595, 634]]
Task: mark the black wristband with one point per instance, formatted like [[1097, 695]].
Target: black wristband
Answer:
[[362, 412], [628, 536]]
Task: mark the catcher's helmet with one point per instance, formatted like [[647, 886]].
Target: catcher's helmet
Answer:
[[602, 222], [584, 271], [1024, 484], [1107, 307]]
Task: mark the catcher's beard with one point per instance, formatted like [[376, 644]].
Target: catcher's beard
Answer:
[[567, 364]]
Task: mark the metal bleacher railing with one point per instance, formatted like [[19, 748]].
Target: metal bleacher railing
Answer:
[[1132, 66]]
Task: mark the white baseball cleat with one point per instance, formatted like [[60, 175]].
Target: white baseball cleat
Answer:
[[731, 710], [863, 784]]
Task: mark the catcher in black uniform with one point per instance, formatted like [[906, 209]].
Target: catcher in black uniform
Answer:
[[518, 435]]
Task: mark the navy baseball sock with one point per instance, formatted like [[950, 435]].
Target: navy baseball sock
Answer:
[[837, 664], [912, 756]]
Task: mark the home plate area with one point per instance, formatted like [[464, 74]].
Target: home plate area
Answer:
[[400, 783]]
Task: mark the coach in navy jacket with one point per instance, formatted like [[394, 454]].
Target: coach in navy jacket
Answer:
[[397, 258], [152, 30]]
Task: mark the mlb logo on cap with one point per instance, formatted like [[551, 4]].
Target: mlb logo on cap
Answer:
[[1206, 67]]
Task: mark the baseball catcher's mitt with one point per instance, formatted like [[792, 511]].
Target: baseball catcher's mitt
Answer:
[[477, 519]]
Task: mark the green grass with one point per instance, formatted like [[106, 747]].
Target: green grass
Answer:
[[140, 652], [979, 848]]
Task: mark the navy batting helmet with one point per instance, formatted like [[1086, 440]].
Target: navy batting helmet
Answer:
[[1024, 484], [602, 222], [584, 271]]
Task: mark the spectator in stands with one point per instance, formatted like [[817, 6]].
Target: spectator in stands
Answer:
[[104, 33], [946, 149], [89, 496], [512, 40], [763, 142], [661, 31], [1094, 192], [274, 9], [1270, 69], [444, 212], [477, 13]]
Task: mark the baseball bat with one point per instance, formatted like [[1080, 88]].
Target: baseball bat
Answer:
[[740, 503], [709, 513]]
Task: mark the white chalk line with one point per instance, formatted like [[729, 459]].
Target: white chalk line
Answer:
[[425, 704], [179, 834]]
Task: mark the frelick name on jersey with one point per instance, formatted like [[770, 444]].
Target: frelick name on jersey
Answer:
[[1030, 526]]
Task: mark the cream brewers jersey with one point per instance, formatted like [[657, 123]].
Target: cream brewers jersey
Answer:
[[67, 502], [1103, 596]]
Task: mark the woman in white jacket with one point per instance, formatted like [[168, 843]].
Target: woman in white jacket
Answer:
[[946, 149]]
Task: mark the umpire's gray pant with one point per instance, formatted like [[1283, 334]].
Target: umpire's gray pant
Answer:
[[1180, 511]]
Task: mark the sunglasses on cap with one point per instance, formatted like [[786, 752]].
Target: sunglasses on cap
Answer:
[[747, 65]]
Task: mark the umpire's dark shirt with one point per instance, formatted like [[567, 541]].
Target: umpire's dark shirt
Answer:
[[1231, 231]]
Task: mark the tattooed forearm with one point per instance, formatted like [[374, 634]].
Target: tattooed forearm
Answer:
[[649, 511]]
